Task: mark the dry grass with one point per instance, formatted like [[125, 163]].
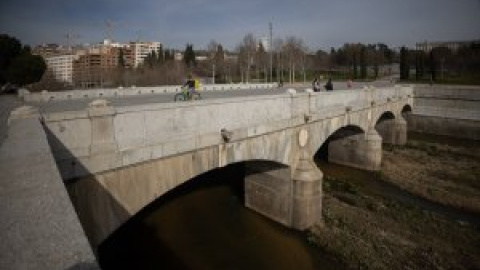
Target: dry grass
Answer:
[[444, 174], [369, 230]]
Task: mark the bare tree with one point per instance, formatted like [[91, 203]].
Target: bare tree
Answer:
[[246, 53], [279, 58], [216, 58], [294, 50], [261, 61]]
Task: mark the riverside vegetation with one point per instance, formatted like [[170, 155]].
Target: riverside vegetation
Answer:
[[422, 211]]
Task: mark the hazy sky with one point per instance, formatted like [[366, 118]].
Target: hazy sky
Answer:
[[320, 23]]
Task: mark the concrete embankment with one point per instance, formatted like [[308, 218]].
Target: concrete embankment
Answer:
[[446, 110]]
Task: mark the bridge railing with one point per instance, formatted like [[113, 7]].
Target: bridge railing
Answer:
[[46, 96]]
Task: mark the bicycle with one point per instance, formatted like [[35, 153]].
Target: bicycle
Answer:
[[185, 95]]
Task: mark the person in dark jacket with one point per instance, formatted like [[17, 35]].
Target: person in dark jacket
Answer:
[[329, 85]]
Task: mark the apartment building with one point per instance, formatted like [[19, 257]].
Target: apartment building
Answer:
[[140, 50], [95, 67], [62, 67]]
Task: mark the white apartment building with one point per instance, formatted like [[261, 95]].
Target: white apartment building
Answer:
[[427, 46], [62, 66], [140, 50], [265, 43]]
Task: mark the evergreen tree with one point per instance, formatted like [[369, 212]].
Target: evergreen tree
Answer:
[[10, 48], [433, 66], [404, 65], [363, 63], [121, 58], [419, 65], [26, 69], [355, 66], [17, 64], [219, 61], [161, 55], [189, 56]]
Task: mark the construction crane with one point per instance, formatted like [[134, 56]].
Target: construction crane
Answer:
[[71, 38], [110, 27]]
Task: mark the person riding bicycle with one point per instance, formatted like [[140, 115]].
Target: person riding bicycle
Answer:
[[191, 85]]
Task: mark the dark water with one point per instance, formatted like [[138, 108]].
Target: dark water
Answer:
[[204, 225]]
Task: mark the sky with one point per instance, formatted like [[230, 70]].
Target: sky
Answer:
[[321, 24]]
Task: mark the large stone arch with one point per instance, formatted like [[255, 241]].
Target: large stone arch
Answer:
[[390, 123], [106, 200], [320, 131], [406, 110]]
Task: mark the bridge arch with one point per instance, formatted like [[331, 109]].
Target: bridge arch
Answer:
[[107, 200], [406, 110], [321, 131], [356, 143], [385, 116], [343, 132]]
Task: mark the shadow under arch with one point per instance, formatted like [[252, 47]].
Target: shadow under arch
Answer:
[[406, 111], [341, 133], [385, 116], [231, 177]]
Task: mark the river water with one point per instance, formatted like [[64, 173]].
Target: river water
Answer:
[[204, 225]]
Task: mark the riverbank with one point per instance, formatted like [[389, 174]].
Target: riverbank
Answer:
[[368, 227]]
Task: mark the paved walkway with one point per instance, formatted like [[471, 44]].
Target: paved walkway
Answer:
[[81, 104], [7, 104]]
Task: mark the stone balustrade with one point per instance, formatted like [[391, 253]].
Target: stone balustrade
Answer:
[[46, 96]]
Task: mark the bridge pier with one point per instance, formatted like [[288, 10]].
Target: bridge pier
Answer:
[[307, 193], [267, 189], [363, 151], [294, 200], [393, 131]]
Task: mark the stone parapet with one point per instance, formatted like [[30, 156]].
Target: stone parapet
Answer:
[[39, 228], [46, 96]]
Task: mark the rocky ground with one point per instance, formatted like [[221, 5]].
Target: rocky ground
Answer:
[[367, 228]]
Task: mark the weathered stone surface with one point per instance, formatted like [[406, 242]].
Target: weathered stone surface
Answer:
[[267, 190], [38, 225], [136, 154], [306, 193]]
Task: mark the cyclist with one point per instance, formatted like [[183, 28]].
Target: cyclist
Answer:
[[190, 84]]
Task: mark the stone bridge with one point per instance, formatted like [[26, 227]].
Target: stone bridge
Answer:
[[117, 160]]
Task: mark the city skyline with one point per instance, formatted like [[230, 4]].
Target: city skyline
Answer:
[[320, 24]]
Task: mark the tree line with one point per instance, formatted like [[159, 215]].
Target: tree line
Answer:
[[441, 64], [287, 60], [17, 64]]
